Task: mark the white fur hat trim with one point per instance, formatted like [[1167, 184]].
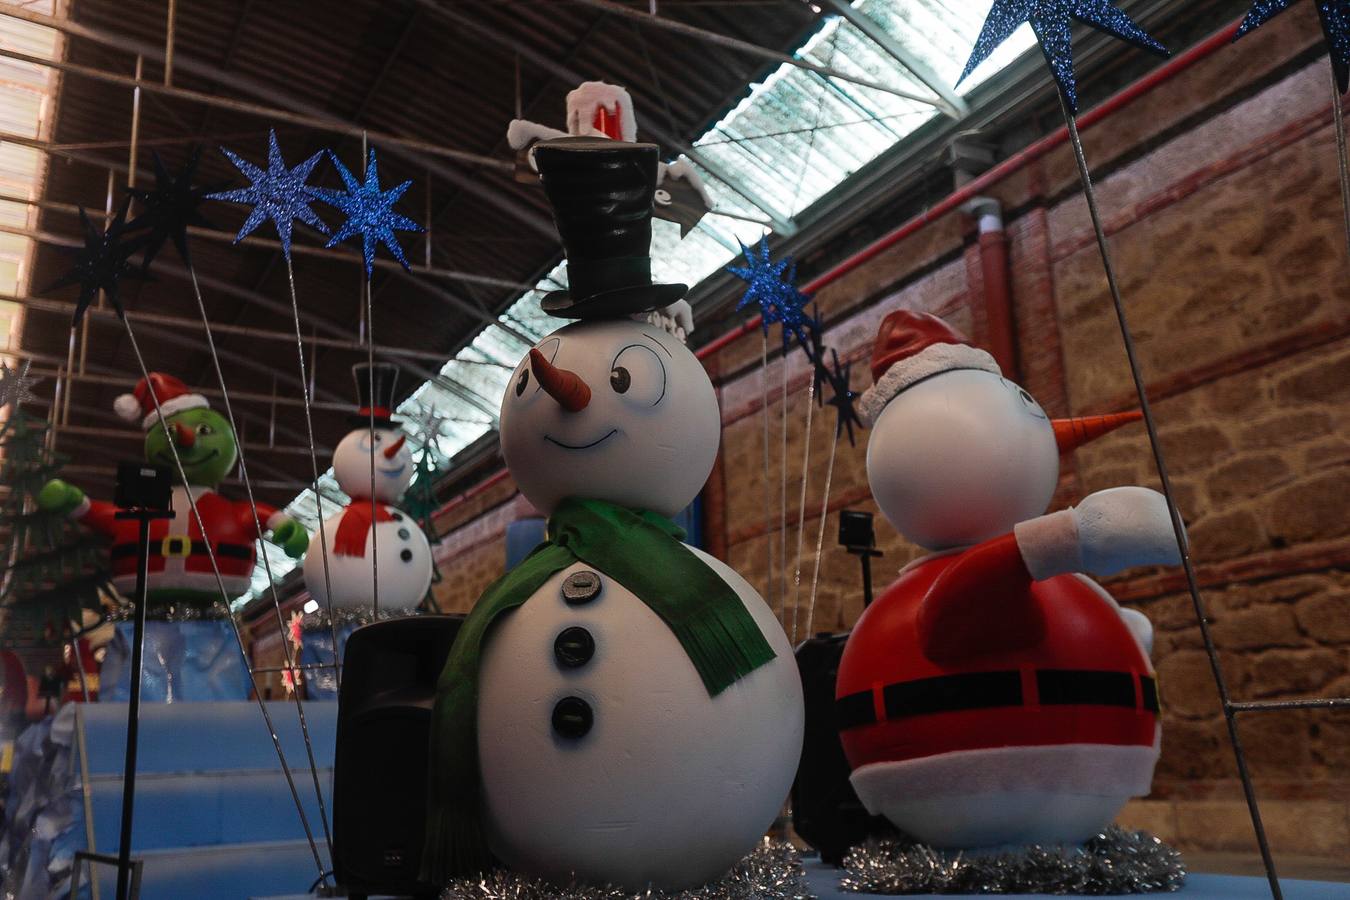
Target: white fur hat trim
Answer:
[[927, 362], [176, 405]]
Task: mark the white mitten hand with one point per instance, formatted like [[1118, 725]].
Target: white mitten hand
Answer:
[[1108, 531], [1123, 527]]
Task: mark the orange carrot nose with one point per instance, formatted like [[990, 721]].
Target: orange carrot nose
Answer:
[[1070, 434], [392, 450], [566, 387], [183, 436]]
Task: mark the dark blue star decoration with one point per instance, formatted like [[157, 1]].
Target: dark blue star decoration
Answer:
[[814, 348], [1335, 16], [772, 287], [279, 193], [1050, 20], [101, 263], [842, 398], [370, 212], [170, 208]]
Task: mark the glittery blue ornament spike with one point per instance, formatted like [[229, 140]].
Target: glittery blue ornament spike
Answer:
[[279, 194], [772, 288], [370, 212], [1050, 20], [842, 399], [1335, 16]]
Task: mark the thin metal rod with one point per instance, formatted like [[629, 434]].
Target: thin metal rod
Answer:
[[1178, 528], [820, 537], [374, 520], [169, 23], [267, 564], [782, 486], [768, 490], [1341, 154], [313, 462], [225, 600], [1275, 705], [731, 43], [271, 114], [801, 506]]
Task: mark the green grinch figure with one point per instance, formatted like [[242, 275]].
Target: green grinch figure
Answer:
[[180, 570]]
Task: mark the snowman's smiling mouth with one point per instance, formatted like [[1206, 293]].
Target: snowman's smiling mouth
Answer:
[[553, 440], [393, 473]]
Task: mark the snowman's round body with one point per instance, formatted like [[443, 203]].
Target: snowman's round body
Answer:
[[404, 565], [602, 755]]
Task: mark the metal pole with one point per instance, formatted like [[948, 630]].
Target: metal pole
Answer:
[[135, 123], [168, 43]]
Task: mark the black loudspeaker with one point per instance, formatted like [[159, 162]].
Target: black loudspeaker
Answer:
[[389, 677], [826, 812]]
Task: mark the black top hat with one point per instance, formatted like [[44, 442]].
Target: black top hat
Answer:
[[375, 393], [601, 192]]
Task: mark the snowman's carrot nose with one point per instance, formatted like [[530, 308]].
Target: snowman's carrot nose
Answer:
[[183, 436], [392, 450], [1070, 434], [566, 387]]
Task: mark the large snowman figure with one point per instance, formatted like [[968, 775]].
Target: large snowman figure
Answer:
[[371, 537], [994, 694], [620, 707]]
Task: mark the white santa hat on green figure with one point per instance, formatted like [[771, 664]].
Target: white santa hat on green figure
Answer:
[[174, 397]]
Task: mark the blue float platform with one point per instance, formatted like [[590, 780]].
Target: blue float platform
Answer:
[[214, 817], [824, 882]]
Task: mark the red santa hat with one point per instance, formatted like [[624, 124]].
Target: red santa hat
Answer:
[[912, 346], [174, 397]]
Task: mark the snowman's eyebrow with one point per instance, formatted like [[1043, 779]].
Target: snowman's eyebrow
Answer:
[[658, 343]]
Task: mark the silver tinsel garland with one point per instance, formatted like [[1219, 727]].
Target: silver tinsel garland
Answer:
[[1114, 862], [772, 872]]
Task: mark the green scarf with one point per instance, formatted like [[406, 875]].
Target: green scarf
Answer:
[[641, 551]]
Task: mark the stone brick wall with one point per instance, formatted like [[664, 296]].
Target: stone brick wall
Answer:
[[1219, 190]]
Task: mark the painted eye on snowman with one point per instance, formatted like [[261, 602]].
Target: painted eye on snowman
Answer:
[[639, 375], [522, 382], [1031, 403], [205, 429]]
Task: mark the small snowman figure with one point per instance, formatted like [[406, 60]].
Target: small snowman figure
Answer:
[[619, 708], [994, 694], [371, 528]]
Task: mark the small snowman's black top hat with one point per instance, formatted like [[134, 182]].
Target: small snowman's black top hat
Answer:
[[375, 392], [601, 192]]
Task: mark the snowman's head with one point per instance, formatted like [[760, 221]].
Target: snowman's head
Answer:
[[612, 410], [961, 457], [393, 463]]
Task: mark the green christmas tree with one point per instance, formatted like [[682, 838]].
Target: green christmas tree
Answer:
[[51, 569]]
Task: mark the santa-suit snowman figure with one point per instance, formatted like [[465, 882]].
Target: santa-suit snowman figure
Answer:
[[620, 707], [994, 694], [180, 564], [371, 537]]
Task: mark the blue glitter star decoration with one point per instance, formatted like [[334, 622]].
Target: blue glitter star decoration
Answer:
[[842, 398], [279, 193], [772, 288], [1335, 16], [370, 212], [1050, 20]]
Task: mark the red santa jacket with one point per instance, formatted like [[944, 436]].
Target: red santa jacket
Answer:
[[965, 651], [178, 548]]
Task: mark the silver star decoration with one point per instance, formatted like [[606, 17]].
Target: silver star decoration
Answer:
[[16, 385]]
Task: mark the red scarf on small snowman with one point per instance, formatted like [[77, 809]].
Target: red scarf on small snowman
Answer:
[[357, 520]]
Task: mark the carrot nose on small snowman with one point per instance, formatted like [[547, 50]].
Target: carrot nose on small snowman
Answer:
[[184, 436], [1070, 434], [392, 450], [571, 392]]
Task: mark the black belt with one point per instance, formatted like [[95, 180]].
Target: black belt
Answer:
[[182, 547], [986, 690]]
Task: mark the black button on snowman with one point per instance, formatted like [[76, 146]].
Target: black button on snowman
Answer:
[[602, 753], [370, 529]]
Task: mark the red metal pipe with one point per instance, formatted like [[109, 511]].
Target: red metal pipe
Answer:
[[952, 202], [998, 309]]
